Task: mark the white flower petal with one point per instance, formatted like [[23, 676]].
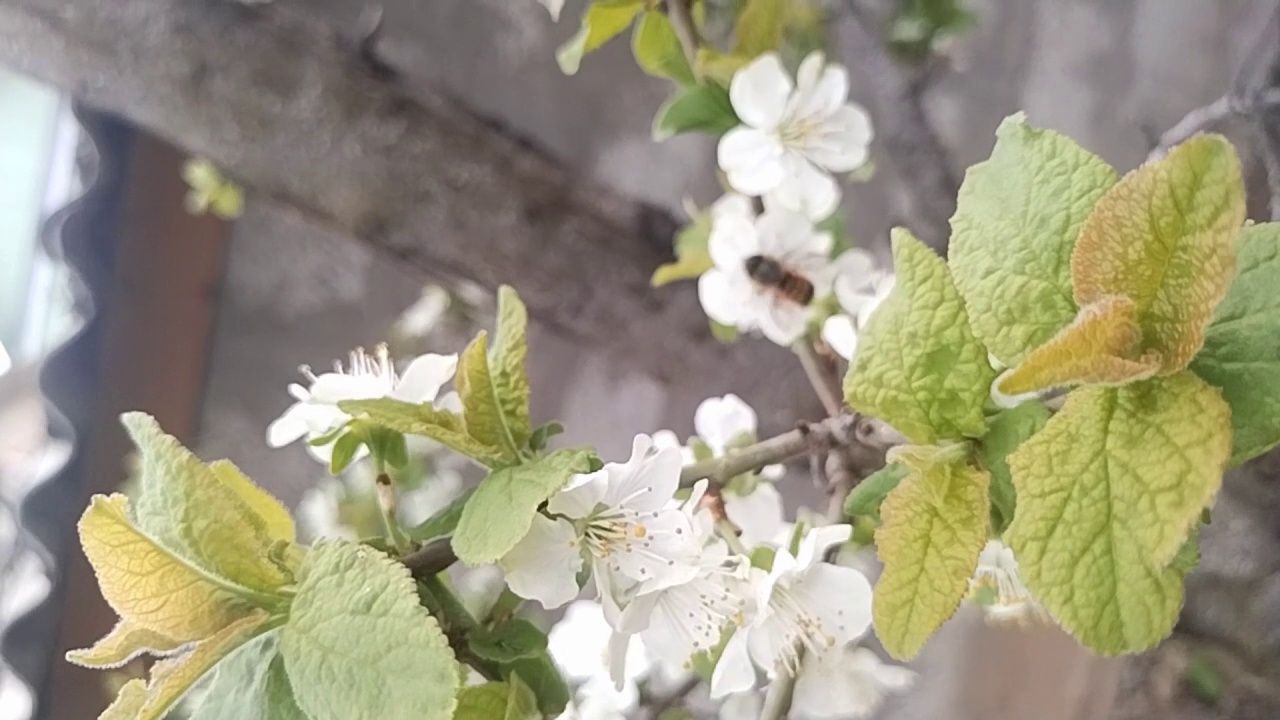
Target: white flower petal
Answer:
[[751, 160], [334, 387], [758, 515], [839, 598], [719, 420], [841, 143], [784, 234], [577, 642], [734, 672], [580, 496], [827, 688], [660, 549], [450, 401], [544, 565], [647, 481], [784, 322], [733, 205], [814, 544], [741, 706], [733, 239], [809, 72], [289, 427], [839, 333], [553, 7], [424, 377], [759, 91], [806, 188], [721, 297], [821, 97], [883, 287], [894, 678]]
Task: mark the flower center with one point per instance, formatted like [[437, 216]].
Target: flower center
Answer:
[[802, 630]]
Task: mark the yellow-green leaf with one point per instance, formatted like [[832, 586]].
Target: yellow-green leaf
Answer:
[[919, 366], [128, 702], [147, 585], [1108, 492], [1005, 432], [1098, 348], [481, 406], [275, 518], [171, 678], [444, 427], [1165, 236], [658, 50], [1016, 222], [190, 510], [497, 701], [125, 642], [934, 525], [759, 28], [692, 256], [603, 20], [510, 380], [1241, 354]]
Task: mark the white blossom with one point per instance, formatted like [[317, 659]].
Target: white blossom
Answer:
[[553, 7], [745, 705], [855, 288], [862, 298], [793, 134], [845, 683], [579, 644], [721, 422], [1008, 600], [731, 297], [367, 376], [758, 513], [803, 605], [420, 318], [623, 519]]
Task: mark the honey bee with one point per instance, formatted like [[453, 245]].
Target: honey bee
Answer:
[[788, 284]]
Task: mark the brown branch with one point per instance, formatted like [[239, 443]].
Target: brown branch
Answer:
[[432, 558], [298, 114]]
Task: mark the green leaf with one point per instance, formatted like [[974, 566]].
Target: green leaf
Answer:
[[510, 379], [444, 427], [704, 108], [541, 675], [919, 367], [1005, 432], [443, 522], [723, 333], [759, 28], [1017, 218], [934, 526], [1165, 236], [511, 700], [658, 50], [1241, 354], [1108, 492], [482, 406], [1099, 348], [542, 434], [692, 256], [500, 512], [251, 684], [603, 20], [344, 451], [193, 513], [358, 644], [510, 640], [866, 496]]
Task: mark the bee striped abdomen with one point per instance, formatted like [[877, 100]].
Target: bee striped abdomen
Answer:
[[769, 273], [796, 288]]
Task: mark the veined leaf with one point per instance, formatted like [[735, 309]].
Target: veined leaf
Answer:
[[1108, 492], [501, 510], [251, 684], [919, 366], [1241, 354], [1099, 348], [1165, 236], [1005, 433], [275, 518], [481, 403], [125, 642], [704, 108], [510, 353], [692, 256], [147, 585], [1017, 218], [193, 512], [759, 28], [934, 525], [442, 426], [658, 51], [498, 701], [865, 499], [356, 617]]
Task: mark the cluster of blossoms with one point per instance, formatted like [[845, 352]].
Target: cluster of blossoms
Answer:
[[769, 266]]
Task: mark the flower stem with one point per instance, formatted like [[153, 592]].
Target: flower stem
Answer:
[[680, 13], [777, 699], [386, 492]]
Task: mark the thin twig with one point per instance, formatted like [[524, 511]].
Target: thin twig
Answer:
[[681, 17], [822, 377], [659, 704], [1208, 117], [822, 436]]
